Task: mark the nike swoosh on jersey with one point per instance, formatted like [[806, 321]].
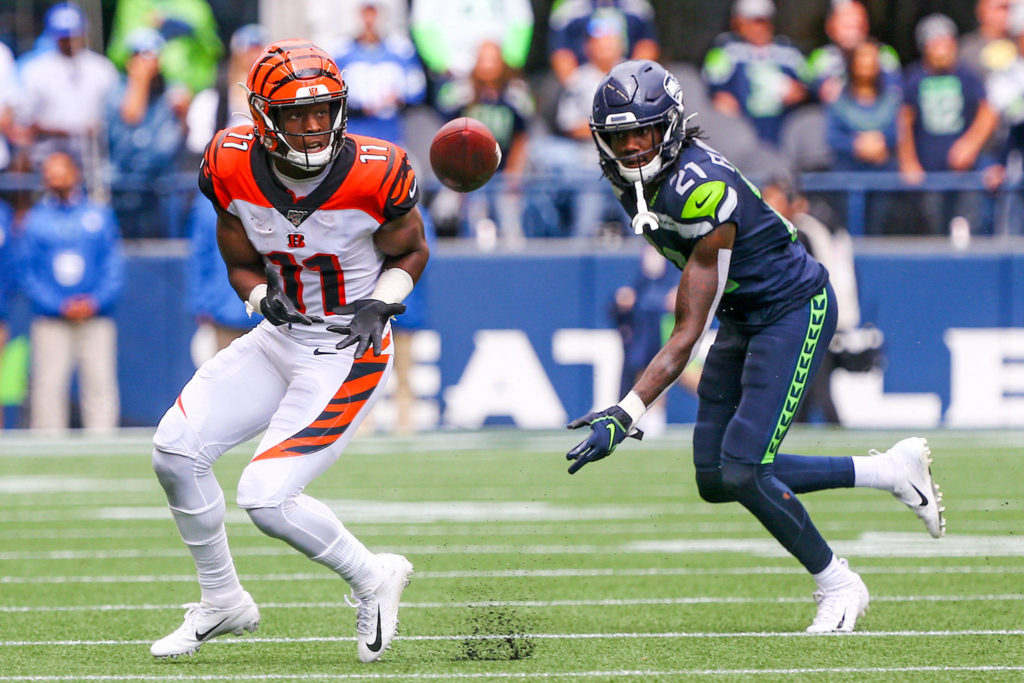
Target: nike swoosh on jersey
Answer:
[[318, 352]]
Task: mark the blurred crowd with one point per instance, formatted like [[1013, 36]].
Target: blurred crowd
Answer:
[[102, 129], [136, 112]]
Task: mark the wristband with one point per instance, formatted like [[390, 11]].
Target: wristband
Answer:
[[393, 285], [256, 296], [633, 406]]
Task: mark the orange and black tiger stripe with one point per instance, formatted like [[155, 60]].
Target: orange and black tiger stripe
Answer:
[[287, 61], [335, 419]]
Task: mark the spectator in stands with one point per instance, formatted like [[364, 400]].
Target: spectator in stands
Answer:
[[847, 27], [72, 270], [8, 96], [448, 33], [493, 95], [325, 28], [569, 31], [989, 47], [944, 123], [860, 127], [383, 75], [211, 299], [861, 122], [1005, 91], [145, 133], [569, 153], [225, 104], [189, 60], [63, 92], [753, 72]]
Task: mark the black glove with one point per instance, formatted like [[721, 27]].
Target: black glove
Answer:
[[278, 308], [608, 428], [367, 324]]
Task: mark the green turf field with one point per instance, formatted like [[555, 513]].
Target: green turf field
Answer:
[[522, 572]]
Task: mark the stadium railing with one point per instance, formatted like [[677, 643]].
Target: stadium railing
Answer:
[[546, 196], [858, 186]]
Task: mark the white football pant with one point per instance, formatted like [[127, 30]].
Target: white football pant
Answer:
[[310, 399]]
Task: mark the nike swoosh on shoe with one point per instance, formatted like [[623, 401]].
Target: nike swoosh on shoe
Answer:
[[203, 636], [375, 645], [924, 501]]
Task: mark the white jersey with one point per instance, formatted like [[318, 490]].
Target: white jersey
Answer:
[[322, 243]]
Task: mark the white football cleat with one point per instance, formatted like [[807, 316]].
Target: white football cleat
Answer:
[[838, 609], [377, 613], [203, 623], [915, 486]]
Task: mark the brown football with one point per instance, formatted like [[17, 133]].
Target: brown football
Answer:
[[464, 154]]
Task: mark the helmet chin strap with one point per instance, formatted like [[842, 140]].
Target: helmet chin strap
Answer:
[[645, 219]]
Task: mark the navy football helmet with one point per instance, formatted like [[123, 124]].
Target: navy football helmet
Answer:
[[638, 94]]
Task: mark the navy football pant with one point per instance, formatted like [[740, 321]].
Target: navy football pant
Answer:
[[749, 391]]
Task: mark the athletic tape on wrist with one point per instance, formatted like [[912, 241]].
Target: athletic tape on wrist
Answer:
[[256, 296], [393, 286], [633, 406]]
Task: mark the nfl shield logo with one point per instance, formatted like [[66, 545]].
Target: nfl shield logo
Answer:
[[296, 216]]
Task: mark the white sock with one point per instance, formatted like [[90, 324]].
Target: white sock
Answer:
[[874, 472], [203, 533], [353, 562], [836, 575], [311, 526]]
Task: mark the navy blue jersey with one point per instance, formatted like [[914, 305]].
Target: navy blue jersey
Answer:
[[770, 272]]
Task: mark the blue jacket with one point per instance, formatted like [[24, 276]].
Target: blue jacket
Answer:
[[210, 294], [383, 79], [7, 262], [70, 249], [148, 149]]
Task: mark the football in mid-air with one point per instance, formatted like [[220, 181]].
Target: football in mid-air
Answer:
[[464, 154]]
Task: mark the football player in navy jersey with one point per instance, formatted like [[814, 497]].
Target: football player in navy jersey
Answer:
[[741, 261]]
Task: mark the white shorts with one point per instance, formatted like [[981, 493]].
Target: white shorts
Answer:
[[309, 397]]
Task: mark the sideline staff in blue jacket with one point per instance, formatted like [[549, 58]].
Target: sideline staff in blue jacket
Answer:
[[72, 271]]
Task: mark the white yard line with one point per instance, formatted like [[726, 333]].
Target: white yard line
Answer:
[[873, 544], [138, 441], [519, 675], [669, 635], [619, 602], [72, 508], [527, 574], [245, 529]]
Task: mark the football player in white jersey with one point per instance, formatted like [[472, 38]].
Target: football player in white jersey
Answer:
[[321, 234]]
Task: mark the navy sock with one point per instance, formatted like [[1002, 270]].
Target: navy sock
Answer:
[[806, 473]]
